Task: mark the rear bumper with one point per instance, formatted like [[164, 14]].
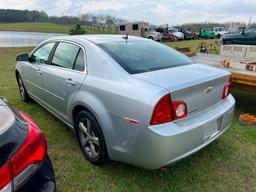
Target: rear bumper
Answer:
[[162, 145], [43, 180]]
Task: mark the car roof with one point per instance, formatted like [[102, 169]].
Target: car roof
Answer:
[[97, 39]]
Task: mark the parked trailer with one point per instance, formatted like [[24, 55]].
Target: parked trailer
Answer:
[[141, 29], [242, 69]]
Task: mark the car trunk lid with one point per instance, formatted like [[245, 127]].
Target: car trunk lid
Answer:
[[199, 86]]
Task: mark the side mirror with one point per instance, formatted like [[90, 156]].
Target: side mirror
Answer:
[[243, 32], [24, 57]]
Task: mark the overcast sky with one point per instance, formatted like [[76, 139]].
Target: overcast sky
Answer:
[[153, 11]]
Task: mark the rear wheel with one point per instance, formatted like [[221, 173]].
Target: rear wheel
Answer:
[[90, 138], [150, 37], [23, 92]]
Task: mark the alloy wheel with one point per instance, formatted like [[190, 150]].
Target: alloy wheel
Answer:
[[89, 141]]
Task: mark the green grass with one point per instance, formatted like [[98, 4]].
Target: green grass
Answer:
[[43, 27], [228, 164]]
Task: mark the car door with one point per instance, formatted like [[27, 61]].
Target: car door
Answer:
[[63, 77], [32, 70], [250, 36]]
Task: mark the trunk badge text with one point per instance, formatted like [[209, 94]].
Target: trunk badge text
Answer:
[[208, 90]]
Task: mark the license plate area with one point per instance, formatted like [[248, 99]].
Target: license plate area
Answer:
[[212, 128]]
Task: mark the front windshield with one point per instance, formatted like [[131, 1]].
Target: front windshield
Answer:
[[144, 56], [151, 29], [221, 29]]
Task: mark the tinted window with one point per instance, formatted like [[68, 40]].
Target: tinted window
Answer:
[[41, 55], [65, 55], [144, 56], [251, 30], [79, 65], [122, 27], [135, 27]]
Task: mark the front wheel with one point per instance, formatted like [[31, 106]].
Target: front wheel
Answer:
[[90, 138], [23, 92]]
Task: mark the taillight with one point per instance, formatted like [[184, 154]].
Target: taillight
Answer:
[[226, 90], [165, 110], [5, 176], [32, 152], [179, 109]]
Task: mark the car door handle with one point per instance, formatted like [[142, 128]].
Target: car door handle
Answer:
[[39, 71], [70, 82]]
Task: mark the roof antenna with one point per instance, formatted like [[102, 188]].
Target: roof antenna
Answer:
[[126, 37]]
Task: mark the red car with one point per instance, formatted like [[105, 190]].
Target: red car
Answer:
[[169, 37]]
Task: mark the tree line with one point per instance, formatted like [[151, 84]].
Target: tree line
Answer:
[[89, 21]]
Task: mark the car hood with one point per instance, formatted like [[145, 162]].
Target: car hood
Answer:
[[178, 33], [181, 77], [232, 36]]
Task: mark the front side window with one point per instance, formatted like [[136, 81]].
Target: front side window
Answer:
[[144, 56], [221, 29], [41, 55], [65, 55], [251, 30]]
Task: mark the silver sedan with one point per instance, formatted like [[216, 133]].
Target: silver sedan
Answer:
[[128, 99]]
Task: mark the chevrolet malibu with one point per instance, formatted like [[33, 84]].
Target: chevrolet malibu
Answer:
[[128, 99]]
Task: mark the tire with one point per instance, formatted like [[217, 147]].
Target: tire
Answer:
[[150, 37], [90, 138], [218, 36], [177, 38], [23, 92]]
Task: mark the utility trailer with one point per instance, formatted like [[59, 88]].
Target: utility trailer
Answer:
[[243, 69]]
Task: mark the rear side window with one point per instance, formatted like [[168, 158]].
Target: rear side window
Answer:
[[79, 64], [65, 55], [144, 56], [41, 55]]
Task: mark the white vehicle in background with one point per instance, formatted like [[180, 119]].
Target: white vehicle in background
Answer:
[[219, 31], [176, 33], [140, 29]]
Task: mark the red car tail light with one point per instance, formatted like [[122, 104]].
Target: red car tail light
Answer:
[[32, 152], [226, 90], [5, 176], [165, 110], [179, 109]]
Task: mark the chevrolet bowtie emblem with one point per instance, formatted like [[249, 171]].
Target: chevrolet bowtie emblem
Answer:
[[208, 90]]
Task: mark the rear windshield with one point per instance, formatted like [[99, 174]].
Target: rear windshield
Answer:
[[144, 56]]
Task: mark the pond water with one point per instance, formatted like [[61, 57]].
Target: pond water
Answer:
[[23, 39]]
